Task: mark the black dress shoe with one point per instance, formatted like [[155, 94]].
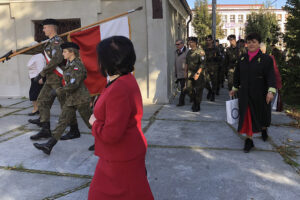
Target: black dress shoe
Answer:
[[92, 148], [34, 113], [264, 134], [248, 145]]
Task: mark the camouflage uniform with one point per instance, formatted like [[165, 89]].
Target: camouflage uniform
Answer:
[[212, 59], [194, 61], [77, 97], [221, 71], [53, 81], [231, 57]]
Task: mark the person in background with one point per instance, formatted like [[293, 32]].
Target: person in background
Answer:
[[212, 60], [221, 70], [77, 97], [278, 106], [180, 71], [231, 57], [35, 66], [195, 76], [117, 127], [254, 79]]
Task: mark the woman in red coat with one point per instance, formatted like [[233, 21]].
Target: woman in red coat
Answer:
[[116, 125]]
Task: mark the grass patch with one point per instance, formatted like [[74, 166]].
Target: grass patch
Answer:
[[294, 112]]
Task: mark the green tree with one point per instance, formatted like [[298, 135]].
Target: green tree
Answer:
[[202, 21], [292, 34], [290, 70], [264, 23]]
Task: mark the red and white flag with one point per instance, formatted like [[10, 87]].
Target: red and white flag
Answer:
[[88, 40]]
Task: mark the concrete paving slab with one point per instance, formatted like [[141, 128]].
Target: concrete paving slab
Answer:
[[280, 118], [213, 174], [5, 101], [287, 137], [149, 110], [5, 111], [11, 122], [20, 185], [24, 104], [10, 135], [197, 134], [78, 195], [71, 156], [207, 113]]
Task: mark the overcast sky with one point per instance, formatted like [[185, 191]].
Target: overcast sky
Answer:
[[277, 3]]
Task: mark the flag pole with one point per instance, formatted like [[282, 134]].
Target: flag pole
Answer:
[[76, 30]]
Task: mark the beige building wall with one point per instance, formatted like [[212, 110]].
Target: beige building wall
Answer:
[[153, 39]]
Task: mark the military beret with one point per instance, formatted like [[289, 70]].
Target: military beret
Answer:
[[50, 22], [231, 37], [194, 39], [69, 45]]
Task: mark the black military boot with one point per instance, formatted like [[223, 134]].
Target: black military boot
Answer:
[[208, 94], [92, 148], [72, 134], [181, 100], [44, 133], [35, 121], [212, 97], [218, 92], [264, 134], [46, 147], [198, 107], [248, 145]]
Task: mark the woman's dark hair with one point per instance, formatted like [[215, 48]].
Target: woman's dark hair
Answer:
[[116, 55], [253, 36]]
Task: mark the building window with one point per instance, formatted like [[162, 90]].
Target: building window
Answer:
[[232, 31], [224, 18], [279, 17], [225, 32], [241, 18], [247, 16], [232, 18], [286, 16], [65, 25]]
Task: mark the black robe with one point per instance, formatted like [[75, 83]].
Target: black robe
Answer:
[[253, 79]]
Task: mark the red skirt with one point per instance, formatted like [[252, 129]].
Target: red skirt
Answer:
[[120, 181], [247, 124]]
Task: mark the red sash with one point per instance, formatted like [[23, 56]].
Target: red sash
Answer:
[[58, 71]]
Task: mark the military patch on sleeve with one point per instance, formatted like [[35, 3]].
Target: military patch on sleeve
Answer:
[[76, 68]]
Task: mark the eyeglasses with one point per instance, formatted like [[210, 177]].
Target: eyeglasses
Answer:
[[177, 44]]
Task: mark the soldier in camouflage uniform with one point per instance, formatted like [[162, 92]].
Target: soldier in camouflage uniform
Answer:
[[221, 71], [53, 73], [77, 95], [212, 59], [231, 57], [195, 81]]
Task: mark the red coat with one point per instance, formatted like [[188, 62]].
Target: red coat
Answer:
[[277, 74], [120, 144]]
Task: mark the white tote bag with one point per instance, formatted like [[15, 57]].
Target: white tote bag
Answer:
[[232, 111]]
